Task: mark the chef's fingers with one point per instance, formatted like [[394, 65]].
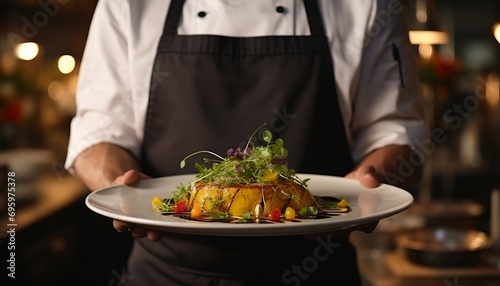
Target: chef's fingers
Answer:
[[138, 231], [130, 177], [155, 235], [135, 230], [366, 228], [332, 234], [121, 226], [366, 175]]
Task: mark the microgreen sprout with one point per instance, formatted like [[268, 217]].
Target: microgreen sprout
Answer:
[[247, 215], [218, 215], [291, 196], [216, 202], [251, 164], [183, 161], [163, 207], [179, 194]]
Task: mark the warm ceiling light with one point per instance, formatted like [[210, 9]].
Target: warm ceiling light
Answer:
[[66, 64], [428, 37], [496, 31], [26, 51], [424, 30]]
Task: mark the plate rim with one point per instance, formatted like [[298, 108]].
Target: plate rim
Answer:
[[222, 229]]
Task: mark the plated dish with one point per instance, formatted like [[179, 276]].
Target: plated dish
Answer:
[[250, 191], [132, 203]]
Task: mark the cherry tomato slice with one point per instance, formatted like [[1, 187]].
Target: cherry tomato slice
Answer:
[[181, 206], [275, 215]]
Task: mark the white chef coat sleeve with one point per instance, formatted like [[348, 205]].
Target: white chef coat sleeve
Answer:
[[388, 105], [104, 104]]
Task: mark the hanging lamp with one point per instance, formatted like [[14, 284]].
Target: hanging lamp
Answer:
[[424, 30]]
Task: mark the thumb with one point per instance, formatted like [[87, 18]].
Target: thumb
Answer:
[[130, 177], [367, 176]]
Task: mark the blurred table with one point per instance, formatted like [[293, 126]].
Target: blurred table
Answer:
[[381, 265], [51, 194], [58, 239]]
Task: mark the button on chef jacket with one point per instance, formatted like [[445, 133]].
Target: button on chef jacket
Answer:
[[377, 85]]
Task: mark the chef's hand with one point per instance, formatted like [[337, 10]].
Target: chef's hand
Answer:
[[377, 166], [137, 231], [366, 175], [371, 172], [105, 164]]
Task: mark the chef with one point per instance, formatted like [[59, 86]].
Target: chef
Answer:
[[162, 79]]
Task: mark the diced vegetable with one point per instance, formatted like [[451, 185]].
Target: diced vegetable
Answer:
[[343, 203], [156, 202], [196, 212], [290, 213], [181, 206], [275, 215], [310, 210], [270, 176]]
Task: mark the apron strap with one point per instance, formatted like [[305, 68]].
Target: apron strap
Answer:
[[173, 17], [314, 18], [312, 10]]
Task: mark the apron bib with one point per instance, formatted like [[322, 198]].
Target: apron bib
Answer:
[[218, 91]]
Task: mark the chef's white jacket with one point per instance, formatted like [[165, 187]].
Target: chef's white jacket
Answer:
[[380, 104]]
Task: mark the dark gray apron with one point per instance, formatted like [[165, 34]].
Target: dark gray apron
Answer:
[[218, 91]]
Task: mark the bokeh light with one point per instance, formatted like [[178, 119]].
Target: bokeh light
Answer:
[[66, 64], [26, 51]]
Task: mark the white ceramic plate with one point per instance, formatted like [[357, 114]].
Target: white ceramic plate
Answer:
[[133, 204]]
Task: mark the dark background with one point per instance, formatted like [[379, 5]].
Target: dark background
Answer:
[[95, 254]]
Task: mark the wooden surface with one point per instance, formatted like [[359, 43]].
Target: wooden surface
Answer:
[[52, 194], [381, 265], [402, 267]]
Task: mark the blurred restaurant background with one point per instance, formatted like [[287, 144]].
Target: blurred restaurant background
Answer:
[[59, 240]]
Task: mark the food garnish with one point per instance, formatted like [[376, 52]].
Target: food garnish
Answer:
[[253, 184], [252, 164], [156, 202], [343, 203]]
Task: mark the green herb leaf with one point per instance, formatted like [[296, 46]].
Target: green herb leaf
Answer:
[[309, 211], [267, 136], [312, 210], [249, 165]]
